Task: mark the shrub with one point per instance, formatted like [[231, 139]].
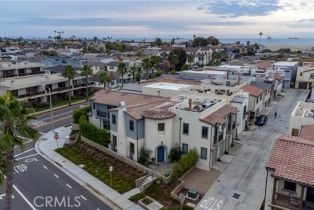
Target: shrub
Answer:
[[79, 112], [185, 163], [99, 136], [137, 197], [174, 154], [147, 201], [144, 157]]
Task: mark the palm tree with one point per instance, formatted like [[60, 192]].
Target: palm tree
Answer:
[[260, 37], [69, 74], [14, 115], [146, 64], [155, 60], [133, 71], [86, 71], [104, 78], [122, 70]]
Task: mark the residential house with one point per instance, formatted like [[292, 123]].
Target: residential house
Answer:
[[16, 69], [303, 114], [290, 179], [290, 72], [305, 76], [255, 100], [159, 124], [241, 103], [268, 91]]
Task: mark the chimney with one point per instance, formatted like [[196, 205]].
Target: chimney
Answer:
[[190, 104]]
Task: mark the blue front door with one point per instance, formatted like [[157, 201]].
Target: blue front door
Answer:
[[161, 154]]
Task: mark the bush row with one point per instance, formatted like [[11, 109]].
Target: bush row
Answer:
[[90, 131], [185, 163]]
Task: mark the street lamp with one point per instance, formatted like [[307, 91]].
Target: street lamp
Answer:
[[51, 112]]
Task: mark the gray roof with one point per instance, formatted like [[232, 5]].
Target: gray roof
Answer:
[[262, 85], [238, 99]]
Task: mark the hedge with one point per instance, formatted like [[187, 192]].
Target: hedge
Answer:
[[80, 112], [90, 131], [137, 197], [185, 163]]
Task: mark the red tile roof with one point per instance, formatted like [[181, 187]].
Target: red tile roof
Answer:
[[252, 90], [158, 114], [307, 132], [219, 116], [292, 159]]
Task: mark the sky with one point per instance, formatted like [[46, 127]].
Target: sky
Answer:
[[158, 18]]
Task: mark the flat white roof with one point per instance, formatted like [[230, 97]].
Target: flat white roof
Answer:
[[222, 72], [285, 63], [167, 86]]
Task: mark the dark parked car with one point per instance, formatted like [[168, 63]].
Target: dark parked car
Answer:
[[261, 120]]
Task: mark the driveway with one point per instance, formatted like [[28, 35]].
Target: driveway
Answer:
[[242, 183]]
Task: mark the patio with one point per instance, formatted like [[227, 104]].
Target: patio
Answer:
[[201, 180]]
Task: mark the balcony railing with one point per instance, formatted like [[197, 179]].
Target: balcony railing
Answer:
[[101, 114], [30, 94]]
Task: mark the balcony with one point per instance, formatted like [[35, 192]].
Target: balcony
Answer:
[[30, 94], [283, 202], [101, 114]]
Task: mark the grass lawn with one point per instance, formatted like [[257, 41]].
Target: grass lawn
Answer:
[[97, 164]]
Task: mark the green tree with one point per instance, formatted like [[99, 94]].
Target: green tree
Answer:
[[14, 115], [155, 61], [212, 40], [122, 70], [133, 71], [181, 58], [173, 60], [69, 74], [104, 78], [157, 42], [86, 72], [190, 58], [146, 64]]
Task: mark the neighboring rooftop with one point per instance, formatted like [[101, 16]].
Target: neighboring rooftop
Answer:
[[219, 116], [307, 132], [167, 86], [292, 159], [286, 63], [252, 90], [238, 99], [261, 85]]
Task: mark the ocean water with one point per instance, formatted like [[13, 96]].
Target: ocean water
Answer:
[[300, 43], [274, 43]]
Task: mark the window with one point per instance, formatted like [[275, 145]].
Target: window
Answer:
[[113, 119], [185, 148], [204, 132], [203, 153], [94, 105], [301, 74], [290, 186], [161, 127], [131, 124], [185, 128]]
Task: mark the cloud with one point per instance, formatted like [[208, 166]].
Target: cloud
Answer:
[[236, 8]]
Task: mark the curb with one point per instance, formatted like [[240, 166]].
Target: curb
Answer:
[[56, 108], [88, 187]]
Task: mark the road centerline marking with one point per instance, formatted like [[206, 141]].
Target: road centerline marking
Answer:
[[83, 197], [69, 186], [56, 176]]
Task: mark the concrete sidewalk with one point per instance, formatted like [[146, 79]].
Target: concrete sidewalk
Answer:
[[46, 146]]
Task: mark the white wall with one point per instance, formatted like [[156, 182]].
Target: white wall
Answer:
[[154, 138]]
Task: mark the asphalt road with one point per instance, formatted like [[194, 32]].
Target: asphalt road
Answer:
[[246, 174], [61, 117], [38, 184]]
